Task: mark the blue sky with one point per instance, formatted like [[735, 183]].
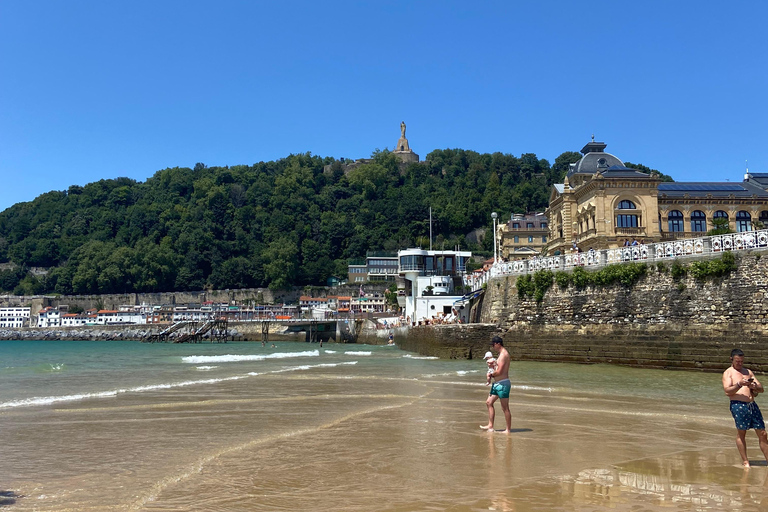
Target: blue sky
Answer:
[[101, 89]]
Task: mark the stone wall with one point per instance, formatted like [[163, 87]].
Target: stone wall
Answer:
[[659, 322]]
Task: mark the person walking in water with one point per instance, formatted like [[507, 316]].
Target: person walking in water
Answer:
[[742, 387], [500, 388]]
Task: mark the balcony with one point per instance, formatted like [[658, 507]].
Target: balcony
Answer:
[[634, 232], [587, 234]]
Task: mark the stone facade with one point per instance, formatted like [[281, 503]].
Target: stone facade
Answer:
[[659, 322], [602, 204]]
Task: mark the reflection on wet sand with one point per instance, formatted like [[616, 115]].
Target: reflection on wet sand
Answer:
[[683, 481]]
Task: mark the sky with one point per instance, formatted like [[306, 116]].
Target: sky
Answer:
[[94, 90]]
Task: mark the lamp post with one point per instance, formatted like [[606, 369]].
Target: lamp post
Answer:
[[494, 215]]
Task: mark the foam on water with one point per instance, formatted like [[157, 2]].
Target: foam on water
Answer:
[[330, 351], [46, 400], [234, 358], [357, 353], [426, 358]]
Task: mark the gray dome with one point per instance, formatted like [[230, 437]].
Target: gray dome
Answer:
[[595, 159]]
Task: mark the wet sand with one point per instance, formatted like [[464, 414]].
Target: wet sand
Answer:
[[357, 438]]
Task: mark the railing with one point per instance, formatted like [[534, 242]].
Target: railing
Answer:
[[689, 247], [640, 231]]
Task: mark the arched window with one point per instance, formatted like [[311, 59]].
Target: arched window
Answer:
[[675, 221], [698, 222], [627, 205], [764, 219], [720, 214], [743, 221]]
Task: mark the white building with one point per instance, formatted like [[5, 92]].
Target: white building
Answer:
[[432, 280], [49, 317], [74, 320], [110, 317], [14, 317]]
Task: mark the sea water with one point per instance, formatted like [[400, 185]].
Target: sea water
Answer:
[[129, 426]]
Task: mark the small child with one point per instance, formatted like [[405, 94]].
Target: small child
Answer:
[[491, 362]]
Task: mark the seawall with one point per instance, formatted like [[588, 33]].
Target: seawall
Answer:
[[659, 322]]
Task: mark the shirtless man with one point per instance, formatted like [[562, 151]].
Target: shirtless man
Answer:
[[741, 386], [500, 389]]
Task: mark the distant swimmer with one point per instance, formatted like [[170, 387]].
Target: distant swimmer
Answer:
[[500, 388], [742, 387]]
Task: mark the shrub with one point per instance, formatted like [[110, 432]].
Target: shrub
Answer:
[[580, 278], [678, 270], [524, 286], [535, 285], [563, 279], [719, 267]]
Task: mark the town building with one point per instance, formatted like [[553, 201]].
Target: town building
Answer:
[[602, 204], [75, 320], [15, 317], [432, 284], [49, 317], [116, 317], [369, 303], [377, 266], [523, 236]]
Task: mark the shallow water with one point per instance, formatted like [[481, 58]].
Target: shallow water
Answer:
[[236, 427]]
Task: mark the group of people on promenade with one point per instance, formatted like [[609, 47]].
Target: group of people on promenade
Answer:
[[739, 384]]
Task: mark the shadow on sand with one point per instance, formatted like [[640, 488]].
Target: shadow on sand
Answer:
[[8, 498]]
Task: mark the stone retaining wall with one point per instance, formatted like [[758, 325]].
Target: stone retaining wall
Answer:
[[659, 322]]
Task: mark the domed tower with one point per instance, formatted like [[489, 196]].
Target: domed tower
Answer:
[[595, 160]]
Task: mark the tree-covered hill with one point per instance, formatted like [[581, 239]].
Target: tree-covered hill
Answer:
[[279, 223]]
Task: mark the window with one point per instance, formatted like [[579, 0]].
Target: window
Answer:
[[626, 221], [544, 224], [529, 225], [515, 225], [627, 205], [517, 239], [675, 221], [764, 219], [698, 222], [743, 221], [720, 214], [543, 239], [530, 239]]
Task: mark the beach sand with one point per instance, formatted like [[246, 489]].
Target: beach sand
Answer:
[[368, 437]]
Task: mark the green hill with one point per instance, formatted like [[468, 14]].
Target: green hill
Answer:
[[294, 221]]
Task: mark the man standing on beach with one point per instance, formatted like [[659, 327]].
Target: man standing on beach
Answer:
[[742, 387], [500, 388]]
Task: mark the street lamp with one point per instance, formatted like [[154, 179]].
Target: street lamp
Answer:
[[494, 215]]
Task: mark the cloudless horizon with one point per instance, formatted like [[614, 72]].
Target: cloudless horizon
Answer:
[[97, 90]]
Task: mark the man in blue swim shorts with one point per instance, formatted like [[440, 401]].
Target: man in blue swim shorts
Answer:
[[742, 387], [500, 388]]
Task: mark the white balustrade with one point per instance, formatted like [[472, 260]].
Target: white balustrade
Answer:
[[651, 252]]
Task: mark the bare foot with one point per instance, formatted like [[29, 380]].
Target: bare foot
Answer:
[[486, 427], [505, 431], [745, 464]]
